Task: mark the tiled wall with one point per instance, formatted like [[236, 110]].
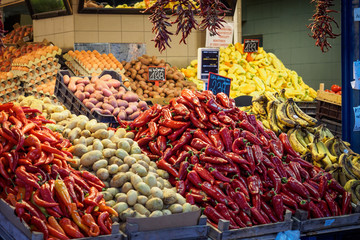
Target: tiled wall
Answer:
[[88, 28], [283, 25]]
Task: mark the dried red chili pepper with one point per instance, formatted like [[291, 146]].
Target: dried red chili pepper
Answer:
[[315, 211], [212, 159], [200, 134], [218, 175], [269, 212], [224, 211], [203, 173]]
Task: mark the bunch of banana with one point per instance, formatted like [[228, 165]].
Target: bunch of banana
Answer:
[[318, 145], [348, 174], [279, 113]]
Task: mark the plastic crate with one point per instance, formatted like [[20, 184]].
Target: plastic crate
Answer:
[[329, 111], [308, 107], [72, 103]]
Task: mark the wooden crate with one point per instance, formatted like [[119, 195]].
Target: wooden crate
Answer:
[[325, 225], [265, 231], [198, 231], [12, 228], [327, 96]]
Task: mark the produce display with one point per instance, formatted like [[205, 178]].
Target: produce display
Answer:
[[17, 34], [222, 159], [137, 71], [87, 63], [254, 73], [134, 186], [37, 181], [9, 87], [106, 96]]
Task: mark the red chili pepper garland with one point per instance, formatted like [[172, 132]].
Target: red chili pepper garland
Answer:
[[35, 158], [237, 164]]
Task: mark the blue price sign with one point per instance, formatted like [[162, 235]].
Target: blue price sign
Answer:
[[218, 83]]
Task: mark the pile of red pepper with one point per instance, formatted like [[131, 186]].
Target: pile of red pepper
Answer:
[[36, 179], [223, 160]]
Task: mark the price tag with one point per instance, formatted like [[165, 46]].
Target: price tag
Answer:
[[208, 61], [157, 73], [251, 45], [26, 39], [218, 83]]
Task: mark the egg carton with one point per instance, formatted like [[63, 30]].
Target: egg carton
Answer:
[[98, 71], [10, 84], [10, 96], [38, 62], [41, 94], [76, 69]]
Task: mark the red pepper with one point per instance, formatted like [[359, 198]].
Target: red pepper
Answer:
[[267, 219], [203, 173], [200, 134], [322, 205], [196, 122], [269, 212], [346, 203], [224, 211], [276, 147], [278, 206], [194, 178], [190, 96], [3, 171], [190, 199], [214, 120], [296, 186], [333, 184], [249, 154], [315, 211], [224, 99], [322, 186], [215, 107], [29, 207], [288, 201], [214, 192], [235, 158], [181, 109], [239, 186], [216, 139], [218, 175], [314, 193], [178, 132], [154, 148], [42, 203], [254, 184], [183, 170], [225, 119], [40, 226], [245, 218], [287, 146], [153, 129], [257, 216], [302, 162], [226, 137], [70, 230], [164, 131], [211, 159], [26, 177], [161, 143], [198, 144], [92, 178], [143, 119], [279, 166], [237, 219], [180, 187], [19, 112], [245, 124], [240, 199], [295, 167], [200, 111], [226, 168], [212, 151], [188, 104], [332, 204], [212, 214], [275, 178], [194, 159], [162, 164], [184, 139], [251, 137]]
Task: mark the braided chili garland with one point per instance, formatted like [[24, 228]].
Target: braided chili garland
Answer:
[[321, 27], [212, 13]]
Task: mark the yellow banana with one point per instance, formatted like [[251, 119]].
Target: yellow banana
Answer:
[[312, 121], [292, 115], [282, 116], [296, 145]]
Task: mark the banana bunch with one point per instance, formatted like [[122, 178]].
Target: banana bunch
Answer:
[[254, 73], [279, 113]]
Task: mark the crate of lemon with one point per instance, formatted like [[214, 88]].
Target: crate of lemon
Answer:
[[254, 73]]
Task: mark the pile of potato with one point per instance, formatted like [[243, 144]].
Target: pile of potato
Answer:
[[135, 187], [137, 71]]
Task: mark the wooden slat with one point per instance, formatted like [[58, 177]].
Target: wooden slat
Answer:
[[265, 231], [327, 96]]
